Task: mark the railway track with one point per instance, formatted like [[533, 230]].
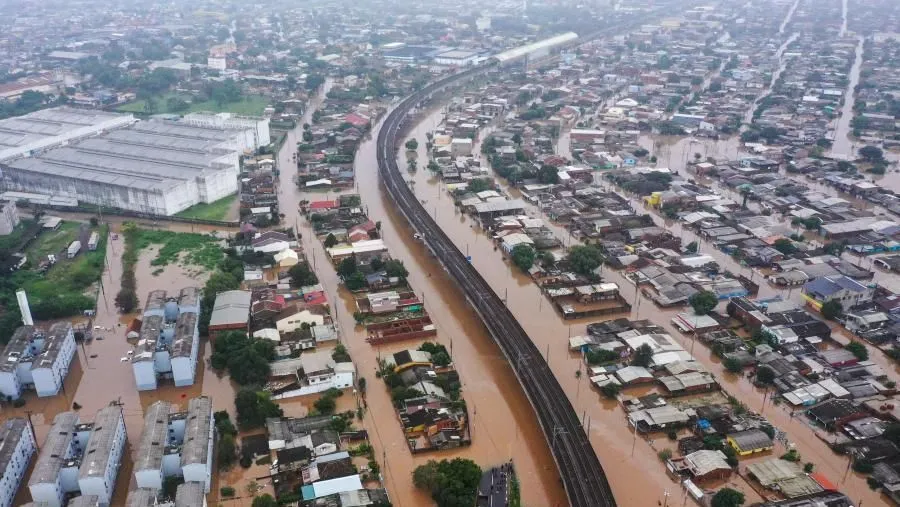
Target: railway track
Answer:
[[580, 470], [582, 475]]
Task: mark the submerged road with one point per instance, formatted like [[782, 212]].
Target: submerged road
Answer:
[[582, 475]]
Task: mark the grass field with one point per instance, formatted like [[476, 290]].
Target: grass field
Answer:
[[199, 249], [251, 105], [54, 242], [218, 210]]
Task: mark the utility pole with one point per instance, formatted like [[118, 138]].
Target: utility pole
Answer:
[[31, 425]]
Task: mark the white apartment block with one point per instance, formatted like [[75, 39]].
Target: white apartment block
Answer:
[[17, 446], [80, 458], [176, 443], [169, 340], [255, 129], [37, 359]]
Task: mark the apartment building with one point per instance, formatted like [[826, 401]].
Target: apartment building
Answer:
[[176, 443], [80, 458], [17, 446], [37, 358], [169, 339]]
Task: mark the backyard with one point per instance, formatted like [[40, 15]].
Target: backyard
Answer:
[[251, 105]]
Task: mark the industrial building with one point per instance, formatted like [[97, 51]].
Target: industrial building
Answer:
[[17, 446], [9, 217], [535, 50], [254, 130], [37, 359], [158, 167], [169, 339], [79, 458], [176, 444], [24, 136]]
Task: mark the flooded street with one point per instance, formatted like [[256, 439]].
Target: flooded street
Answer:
[[504, 426], [609, 433], [843, 147], [782, 64]]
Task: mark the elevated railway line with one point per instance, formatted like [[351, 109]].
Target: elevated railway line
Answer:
[[581, 473]]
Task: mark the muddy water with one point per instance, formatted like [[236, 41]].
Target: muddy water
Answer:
[[843, 146], [611, 439], [676, 152], [503, 423], [748, 118], [98, 376], [787, 18]]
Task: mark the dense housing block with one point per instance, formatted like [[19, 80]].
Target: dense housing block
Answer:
[[169, 339], [176, 444], [80, 457], [37, 358]]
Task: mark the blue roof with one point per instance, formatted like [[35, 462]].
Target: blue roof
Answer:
[[829, 285]]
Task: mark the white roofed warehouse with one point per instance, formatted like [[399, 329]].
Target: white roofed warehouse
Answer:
[[158, 167]]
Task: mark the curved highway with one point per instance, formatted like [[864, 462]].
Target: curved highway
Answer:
[[582, 475]]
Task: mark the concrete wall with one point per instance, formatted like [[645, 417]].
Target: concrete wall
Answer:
[[183, 369], [18, 464], [149, 478], [50, 494], [144, 375], [9, 385]]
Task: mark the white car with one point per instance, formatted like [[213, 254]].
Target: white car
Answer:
[[129, 353], [124, 359]]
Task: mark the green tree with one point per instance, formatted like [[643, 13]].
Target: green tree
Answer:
[[784, 246], [226, 452], [245, 358], [584, 259], [733, 365], [340, 354], [871, 153], [254, 407], [356, 281], [832, 309], [859, 350], [480, 185], [264, 500], [727, 497], [765, 375], [412, 144], [703, 302], [314, 81], [347, 267], [643, 356], [395, 268], [302, 275], [548, 174], [610, 390], [441, 359], [523, 256], [330, 240], [451, 483]]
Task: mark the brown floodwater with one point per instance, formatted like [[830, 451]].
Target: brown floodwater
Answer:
[[98, 375], [609, 433], [504, 426]]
